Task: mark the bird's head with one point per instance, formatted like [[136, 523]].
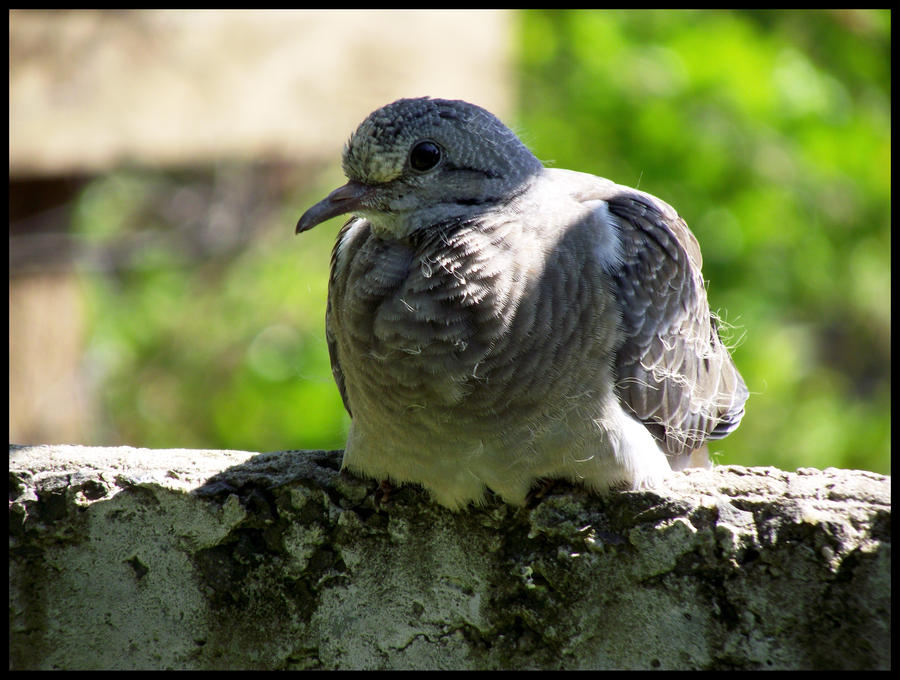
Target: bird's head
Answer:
[[421, 162]]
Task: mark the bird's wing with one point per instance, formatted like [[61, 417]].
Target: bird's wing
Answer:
[[672, 370], [336, 364], [354, 232]]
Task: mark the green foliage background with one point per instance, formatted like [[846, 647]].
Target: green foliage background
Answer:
[[768, 131]]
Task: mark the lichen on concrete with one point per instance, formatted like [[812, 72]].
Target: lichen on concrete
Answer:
[[133, 558]]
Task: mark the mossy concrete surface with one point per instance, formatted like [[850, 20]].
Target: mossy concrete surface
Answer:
[[125, 558]]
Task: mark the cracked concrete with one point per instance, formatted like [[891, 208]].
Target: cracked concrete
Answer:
[[133, 558]]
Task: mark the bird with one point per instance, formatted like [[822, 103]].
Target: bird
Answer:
[[493, 323]]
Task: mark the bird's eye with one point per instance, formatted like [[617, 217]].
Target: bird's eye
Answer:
[[424, 156]]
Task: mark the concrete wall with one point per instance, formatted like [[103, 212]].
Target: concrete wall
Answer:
[[133, 558]]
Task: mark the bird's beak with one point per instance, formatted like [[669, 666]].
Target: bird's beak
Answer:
[[341, 201]]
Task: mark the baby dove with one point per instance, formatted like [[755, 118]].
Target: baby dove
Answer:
[[492, 322]]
